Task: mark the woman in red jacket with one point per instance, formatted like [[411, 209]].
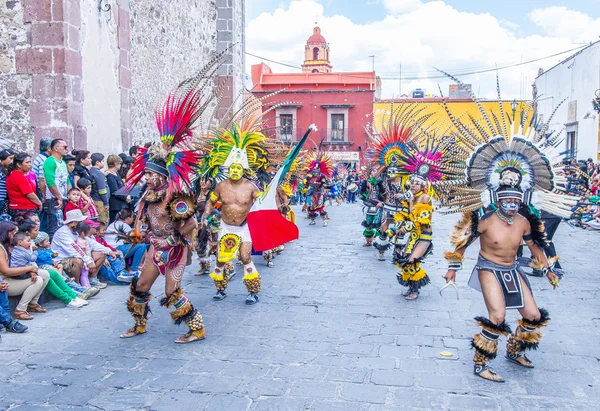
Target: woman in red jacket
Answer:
[[21, 190]]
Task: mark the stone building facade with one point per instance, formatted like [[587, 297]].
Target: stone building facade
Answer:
[[93, 71]]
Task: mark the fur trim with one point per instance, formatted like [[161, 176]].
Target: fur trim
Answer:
[[465, 230], [453, 257], [487, 348], [486, 324], [542, 322], [142, 295], [528, 340], [182, 314], [172, 299]]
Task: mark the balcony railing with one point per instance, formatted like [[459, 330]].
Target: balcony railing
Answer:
[[331, 136]]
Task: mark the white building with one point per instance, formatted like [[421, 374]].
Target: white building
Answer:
[[575, 80]]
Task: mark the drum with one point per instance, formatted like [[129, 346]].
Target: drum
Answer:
[[352, 187]]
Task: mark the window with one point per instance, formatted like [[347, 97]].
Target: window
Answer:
[[316, 53], [571, 140], [286, 122], [337, 127]]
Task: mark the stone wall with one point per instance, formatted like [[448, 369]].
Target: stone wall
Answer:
[[168, 45], [15, 89], [92, 72]]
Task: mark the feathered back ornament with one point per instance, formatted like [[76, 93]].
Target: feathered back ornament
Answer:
[[322, 161], [176, 120], [514, 155]]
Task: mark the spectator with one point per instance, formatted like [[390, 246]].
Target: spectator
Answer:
[[125, 167], [70, 162], [6, 321], [21, 190], [117, 201], [117, 236], [115, 269], [29, 288], [38, 166], [100, 193], [73, 202], [83, 161], [133, 151], [56, 176], [85, 188], [6, 159], [64, 245]]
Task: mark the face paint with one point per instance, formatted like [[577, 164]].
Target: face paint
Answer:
[[509, 207], [236, 171], [153, 179]]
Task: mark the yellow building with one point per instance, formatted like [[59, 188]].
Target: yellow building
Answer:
[[460, 108]]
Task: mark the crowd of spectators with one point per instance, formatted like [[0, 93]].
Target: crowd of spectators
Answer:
[[64, 224], [583, 181]]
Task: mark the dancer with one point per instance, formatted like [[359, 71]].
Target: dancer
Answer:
[[235, 153], [206, 241], [319, 172], [167, 206], [510, 167], [371, 194]]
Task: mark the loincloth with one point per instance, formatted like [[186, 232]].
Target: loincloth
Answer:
[[508, 278]]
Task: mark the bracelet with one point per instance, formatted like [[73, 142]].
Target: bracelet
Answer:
[[456, 266], [545, 270], [170, 240]]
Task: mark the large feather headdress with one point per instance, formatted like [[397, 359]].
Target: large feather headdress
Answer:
[[176, 120], [513, 153], [322, 161]]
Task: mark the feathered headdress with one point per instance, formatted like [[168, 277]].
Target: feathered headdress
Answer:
[[322, 161], [510, 157], [176, 120]]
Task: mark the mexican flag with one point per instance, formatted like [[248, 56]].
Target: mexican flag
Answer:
[[268, 228]]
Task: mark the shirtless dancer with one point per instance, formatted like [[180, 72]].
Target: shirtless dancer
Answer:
[[236, 195], [502, 282]]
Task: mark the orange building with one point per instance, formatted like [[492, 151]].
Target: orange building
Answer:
[[339, 104]]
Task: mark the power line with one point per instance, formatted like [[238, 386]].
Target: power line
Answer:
[[434, 76]]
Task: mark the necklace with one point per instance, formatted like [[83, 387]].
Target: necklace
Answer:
[[507, 219]]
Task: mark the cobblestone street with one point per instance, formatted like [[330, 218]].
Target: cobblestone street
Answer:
[[331, 332]]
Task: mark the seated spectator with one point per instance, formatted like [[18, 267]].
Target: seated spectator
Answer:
[[115, 268], [21, 189], [24, 254], [6, 321], [118, 236], [98, 252], [64, 245], [45, 260], [85, 201], [29, 288]]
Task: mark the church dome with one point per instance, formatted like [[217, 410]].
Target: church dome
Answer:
[[316, 37]]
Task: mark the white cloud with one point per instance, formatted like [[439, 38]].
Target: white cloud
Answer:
[[401, 6], [422, 36]]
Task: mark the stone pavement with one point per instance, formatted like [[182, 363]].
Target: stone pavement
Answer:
[[331, 333]]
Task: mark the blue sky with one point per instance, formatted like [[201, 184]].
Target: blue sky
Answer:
[[361, 12]]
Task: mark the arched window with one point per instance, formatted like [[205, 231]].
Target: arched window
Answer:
[[315, 71], [316, 53]]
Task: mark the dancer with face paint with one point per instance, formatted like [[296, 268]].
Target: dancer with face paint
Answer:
[[510, 167], [235, 153], [167, 207]]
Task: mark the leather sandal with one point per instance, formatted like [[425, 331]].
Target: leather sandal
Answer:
[[479, 369], [514, 358], [132, 332], [22, 315], [36, 308]]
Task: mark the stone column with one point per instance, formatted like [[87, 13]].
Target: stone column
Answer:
[[52, 56], [230, 34], [124, 34]]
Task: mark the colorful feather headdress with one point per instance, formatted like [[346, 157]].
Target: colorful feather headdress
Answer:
[[322, 161], [509, 157], [176, 120]]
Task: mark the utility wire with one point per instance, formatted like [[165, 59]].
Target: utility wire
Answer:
[[433, 76]]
